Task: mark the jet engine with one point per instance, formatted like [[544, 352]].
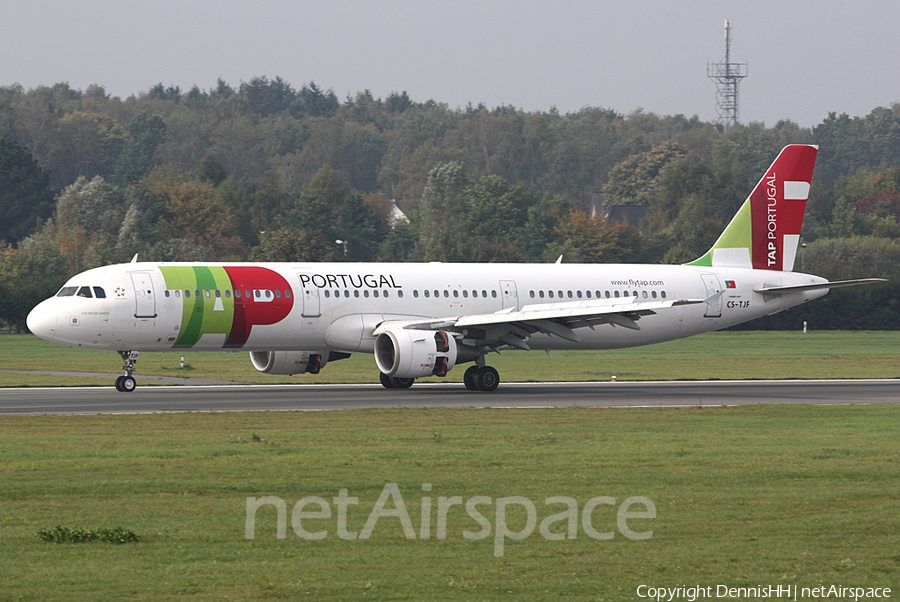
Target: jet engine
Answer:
[[288, 362], [404, 353]]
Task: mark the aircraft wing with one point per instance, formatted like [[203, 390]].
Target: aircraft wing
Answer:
[[514, 328]]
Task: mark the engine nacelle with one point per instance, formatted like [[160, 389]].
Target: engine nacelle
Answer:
[[288, 362], [415, 353]]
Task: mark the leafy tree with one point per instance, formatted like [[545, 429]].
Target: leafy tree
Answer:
[[443, 229], [312, 101], [635, 180], [145, 134], [293, 244], [580, 239], [211, 170], [25, 195], [267, 97], [28, 275]]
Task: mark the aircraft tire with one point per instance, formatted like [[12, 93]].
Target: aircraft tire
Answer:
[[128, 384], [386, 381], [403, 383], [470, 378], [119, 383], [487, 379]]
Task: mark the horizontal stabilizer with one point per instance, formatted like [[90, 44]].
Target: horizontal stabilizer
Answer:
[[799, 288]]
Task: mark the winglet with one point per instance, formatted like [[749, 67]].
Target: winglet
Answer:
[[134, 259]]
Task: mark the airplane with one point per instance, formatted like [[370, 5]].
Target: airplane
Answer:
[[424, 319]]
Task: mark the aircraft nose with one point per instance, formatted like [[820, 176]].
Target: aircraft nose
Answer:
[[42, 321]]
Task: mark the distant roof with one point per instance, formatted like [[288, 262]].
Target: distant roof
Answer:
[[633, 214]]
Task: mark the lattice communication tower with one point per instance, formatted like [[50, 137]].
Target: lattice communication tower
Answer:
[[727, 75]]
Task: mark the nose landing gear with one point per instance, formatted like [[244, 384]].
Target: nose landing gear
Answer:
[[126, 382]]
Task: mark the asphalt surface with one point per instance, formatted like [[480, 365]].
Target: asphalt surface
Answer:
[[106, 400]]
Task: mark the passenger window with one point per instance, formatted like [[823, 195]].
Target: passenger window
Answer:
[[644, 294], [455, 294], [196, 293], [366, 294], [588, 294], [207, 293], [227, 294], [400, 294], [578, 294], [446, 294], [187, 294], [327, 294], [167, 293], [616, 293], [663, 293], [531, 294], [178, 293], [427, 294], [475, 293], [278, 294], [607, 295], [653, 294], [494, 294], [385, 293], [375, 293], [550, 294], [569, 294], [100, 293], [237, 293], [85, 291], [356, 293], [287, 294], [484, 294], [541, 294], [67, 291], [466, 294]]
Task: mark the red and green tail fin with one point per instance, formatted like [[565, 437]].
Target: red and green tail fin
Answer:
[[765, 232]]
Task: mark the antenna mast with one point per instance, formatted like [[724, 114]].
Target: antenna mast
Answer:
[[727, 75]]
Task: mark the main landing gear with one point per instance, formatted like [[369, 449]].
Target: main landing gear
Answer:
[[476, 378], [481, 378], [389, 382], [126, 382]]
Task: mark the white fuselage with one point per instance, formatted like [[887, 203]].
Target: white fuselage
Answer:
[[337, 306]]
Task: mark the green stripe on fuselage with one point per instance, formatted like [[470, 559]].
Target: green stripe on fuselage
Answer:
[[201, 314]]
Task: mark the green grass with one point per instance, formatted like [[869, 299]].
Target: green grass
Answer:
[[744, 496], [718, 355]]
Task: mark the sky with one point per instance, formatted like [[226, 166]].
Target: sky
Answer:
[[805, 58]]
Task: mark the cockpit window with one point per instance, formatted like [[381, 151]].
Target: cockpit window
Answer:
[[67, 291], [99, 292], [85, 291]]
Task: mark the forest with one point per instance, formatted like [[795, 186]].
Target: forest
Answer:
[[265, 171]]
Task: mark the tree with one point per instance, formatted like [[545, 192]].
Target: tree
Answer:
[[443, 227], [25, 195], [145, 134], [268, 97], [293, 244]]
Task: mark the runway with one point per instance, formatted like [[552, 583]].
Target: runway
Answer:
[[149, 399]]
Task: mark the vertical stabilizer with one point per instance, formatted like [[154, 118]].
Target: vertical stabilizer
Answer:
[[765, 232]]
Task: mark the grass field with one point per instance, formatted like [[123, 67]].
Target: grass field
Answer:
[[744, 496], [718, 355]]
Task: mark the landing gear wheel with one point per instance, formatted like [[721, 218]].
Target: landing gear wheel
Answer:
[[403, 383], [119, 383], [470, 378], [386, 380], [389, 382], [127, 384], [487, 378]]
